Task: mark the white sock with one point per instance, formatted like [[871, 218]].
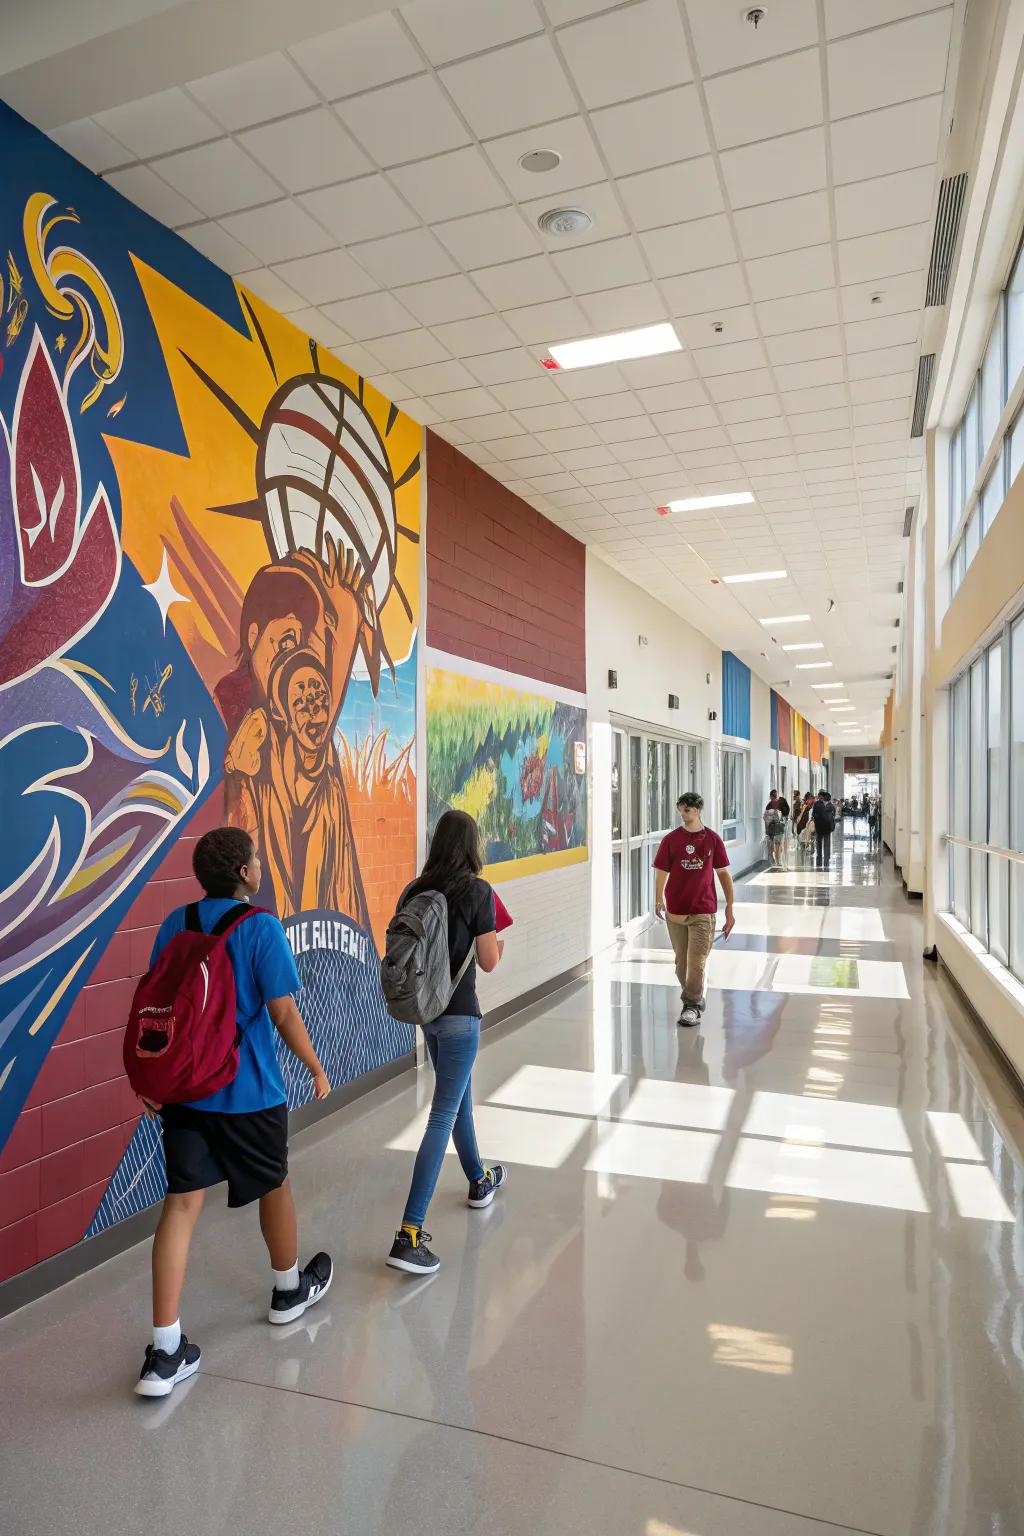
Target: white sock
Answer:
[[287, 1279], [167, 1338]]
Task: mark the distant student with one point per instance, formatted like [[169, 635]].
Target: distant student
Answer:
[[686, 865], [823, 815], [240, 1133]]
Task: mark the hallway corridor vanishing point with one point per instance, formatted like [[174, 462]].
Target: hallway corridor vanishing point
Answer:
[[760, 1279]]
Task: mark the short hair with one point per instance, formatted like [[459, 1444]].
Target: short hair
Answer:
[[823, 794], [691, 799], [218, 858]]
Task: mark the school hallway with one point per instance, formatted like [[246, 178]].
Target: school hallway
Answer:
[[757, 1279]]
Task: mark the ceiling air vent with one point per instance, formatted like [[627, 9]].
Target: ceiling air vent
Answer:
[[925, 366], [908, 518], [947, 223]]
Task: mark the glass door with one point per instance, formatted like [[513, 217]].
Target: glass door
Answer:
[[649, 773]]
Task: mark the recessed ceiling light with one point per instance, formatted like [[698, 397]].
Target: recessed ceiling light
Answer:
[[789, 618], [648, 341], [812, 666], [699, 503], [539, 160], [808, 645], [822, 686], [837, 701], [846, 710], [755, 576]]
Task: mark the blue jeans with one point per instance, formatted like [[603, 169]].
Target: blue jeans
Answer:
[[452, 1043]]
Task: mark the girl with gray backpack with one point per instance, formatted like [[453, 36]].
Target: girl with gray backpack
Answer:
[[443, 929]]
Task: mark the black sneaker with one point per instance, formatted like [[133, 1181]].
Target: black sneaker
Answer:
[[161, 1372], [412, 1255], [482, 1191], [690, 1016], [314, 1283]]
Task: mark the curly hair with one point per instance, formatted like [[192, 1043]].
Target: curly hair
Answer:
[[218, 858]]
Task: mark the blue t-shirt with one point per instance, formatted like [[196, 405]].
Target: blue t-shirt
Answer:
[[264, 968]]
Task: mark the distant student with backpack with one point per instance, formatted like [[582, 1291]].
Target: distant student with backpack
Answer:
[[823, 815], [467, 938], [220, 971]]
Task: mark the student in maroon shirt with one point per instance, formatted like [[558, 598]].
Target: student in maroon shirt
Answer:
[[686, 865]]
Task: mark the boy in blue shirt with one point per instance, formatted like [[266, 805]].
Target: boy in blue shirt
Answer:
[[240, 1133]]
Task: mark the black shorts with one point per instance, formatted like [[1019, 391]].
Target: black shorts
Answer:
[[203, 1148]]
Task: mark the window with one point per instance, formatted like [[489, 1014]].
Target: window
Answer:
[[734, 788], [991, 498], [648, 773], [960, 791], [998, 809], [1015, 323], [979, 799], [992, 382], [971, 451], [1016, 796], [636, 776], [1016, 449], [616, 786], [956, 478]]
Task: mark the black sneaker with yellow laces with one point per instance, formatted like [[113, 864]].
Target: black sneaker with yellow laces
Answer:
[[482, 1191], [409, 1252]]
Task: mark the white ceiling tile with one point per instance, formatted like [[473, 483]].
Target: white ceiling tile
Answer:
[[450, 185], [310, 149], [542, 464], [894, 295], [317, 325], [253, 92], [510, 88], [756, 103], [695, 293], [365, 209], [880, 411], [563, 439], [685, 443], [147, 191], [470, 338], [786, 167], [267, 285], [407, 258], [689, 247], [408, 121], [761, 430], [841, 18], [884, 202], [485, 239], [604, 475], [157, 124], [580, 163], [655, 130], [583, 383], [432, 378], [505, 367], [452, 29], [532, 281], [736, 357], [519, 393], [444, 298], [362, 360], [724, 39], [798, 313], [751, 383], [540, 419], [626, 53], [484, 426], [629, 429], [795, 272], [277, 231], [884, 331], [615, 407], [375, 314], [804, 422], [739, 324], [808, 375], [783, 226], [358, 57], [878, 143], [326, 276], [683, 396], [224, 251], [218, 178], [624, 309], [658, 197], [883, 360], [883, 66], [667, 369], [604, 264], [749, 410], [91, 145], [882, 255], [560, 320], [466, 403], [406, 350]]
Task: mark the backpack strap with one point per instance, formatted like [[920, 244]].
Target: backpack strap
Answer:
[[192, 923], [464, 967], [232, 918]]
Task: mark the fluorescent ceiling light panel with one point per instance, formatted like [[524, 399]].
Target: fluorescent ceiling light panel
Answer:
[[755, 576], [649, 341], [808, 645], [789, 618], [822, 686], [700, 503], [811, 666], [847, 710]]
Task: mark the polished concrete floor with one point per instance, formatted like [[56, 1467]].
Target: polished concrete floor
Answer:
[[764, 1279]]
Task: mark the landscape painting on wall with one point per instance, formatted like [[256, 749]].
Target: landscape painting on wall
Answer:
[[516, 762], [209, 605]]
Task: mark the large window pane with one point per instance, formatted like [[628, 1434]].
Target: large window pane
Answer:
[[992, 397], [617, 889], [992, 497], [616, 786], [998, 810], [1015, 324], [666, 785], [636, 787], [972, 452], [1016, 797], [653, 795], [979, 800], [956, 478], [636, 864], [1016, 449], [972, 536], [960, 809]]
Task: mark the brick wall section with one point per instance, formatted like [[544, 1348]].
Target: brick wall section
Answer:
[[504, 586], [81, 1113]]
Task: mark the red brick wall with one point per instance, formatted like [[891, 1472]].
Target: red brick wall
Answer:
[[504, 586], [81, 1113]]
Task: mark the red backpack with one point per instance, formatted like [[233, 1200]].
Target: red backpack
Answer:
[[181, 1042]]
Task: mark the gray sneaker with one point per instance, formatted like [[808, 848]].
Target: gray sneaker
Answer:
[[689, 1016]]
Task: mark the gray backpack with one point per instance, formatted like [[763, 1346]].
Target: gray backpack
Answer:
[[415, 973]]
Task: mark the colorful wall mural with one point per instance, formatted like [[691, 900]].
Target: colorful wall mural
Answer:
[[790, 732], [209, 597], [516, 762]]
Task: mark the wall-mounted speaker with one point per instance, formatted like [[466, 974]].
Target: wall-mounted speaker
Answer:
[[613, 679]]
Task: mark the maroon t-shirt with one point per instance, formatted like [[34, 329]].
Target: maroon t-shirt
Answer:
[[690, 860]]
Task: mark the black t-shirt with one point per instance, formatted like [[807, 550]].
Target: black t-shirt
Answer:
[[469, 915]]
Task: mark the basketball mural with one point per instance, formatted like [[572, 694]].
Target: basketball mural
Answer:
[[209, 597]]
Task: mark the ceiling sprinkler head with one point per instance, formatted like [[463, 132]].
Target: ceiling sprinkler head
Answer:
[[718, 327], [565, 221], [755, 16]]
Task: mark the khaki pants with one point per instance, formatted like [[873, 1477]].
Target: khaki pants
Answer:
[[692, 938]]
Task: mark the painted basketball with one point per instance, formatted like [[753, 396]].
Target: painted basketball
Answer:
[[322, 469]]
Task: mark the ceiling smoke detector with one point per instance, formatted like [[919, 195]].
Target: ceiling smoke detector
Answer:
[[565, 221], [540, 160]]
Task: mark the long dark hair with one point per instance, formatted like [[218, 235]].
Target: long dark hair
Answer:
[[454, 858]]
